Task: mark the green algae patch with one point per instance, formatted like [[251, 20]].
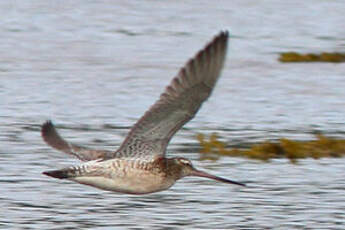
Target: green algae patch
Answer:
[[310, 57], [322, 146]]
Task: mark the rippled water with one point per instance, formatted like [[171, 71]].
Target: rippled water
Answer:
[[95, 67]]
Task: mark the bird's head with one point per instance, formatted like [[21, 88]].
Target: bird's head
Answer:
[[184, 167]]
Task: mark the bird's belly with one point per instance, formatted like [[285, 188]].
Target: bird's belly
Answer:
[[132, 184]]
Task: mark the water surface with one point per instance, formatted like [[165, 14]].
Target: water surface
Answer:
[[95, 67]]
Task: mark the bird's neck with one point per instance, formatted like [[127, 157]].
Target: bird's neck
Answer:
[[170, 167], [173, 169]]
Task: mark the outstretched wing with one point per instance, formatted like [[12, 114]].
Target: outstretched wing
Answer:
[[178, 104], [52, 138]]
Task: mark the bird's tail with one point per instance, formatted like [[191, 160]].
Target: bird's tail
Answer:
[[62, 173], [90, 168]]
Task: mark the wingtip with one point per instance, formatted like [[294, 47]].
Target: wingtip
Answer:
[[219, 40], [221, 34], [50, 135], [46, 127], [224, 33]]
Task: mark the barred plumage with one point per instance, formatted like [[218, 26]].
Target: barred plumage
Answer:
[[139, 166]]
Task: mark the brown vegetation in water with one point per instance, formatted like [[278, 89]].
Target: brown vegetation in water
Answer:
[[320, 147], [323, 57]]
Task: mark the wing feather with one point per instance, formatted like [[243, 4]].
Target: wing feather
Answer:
[[52, 138], [178, 104]]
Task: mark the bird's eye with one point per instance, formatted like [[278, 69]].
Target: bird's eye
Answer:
[[185, 161]]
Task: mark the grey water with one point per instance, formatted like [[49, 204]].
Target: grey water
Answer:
[[94, 67]]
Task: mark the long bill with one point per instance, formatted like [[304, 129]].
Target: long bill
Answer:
[[199, 173]]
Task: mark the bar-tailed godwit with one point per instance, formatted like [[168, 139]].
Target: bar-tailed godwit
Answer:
[[139, 166]]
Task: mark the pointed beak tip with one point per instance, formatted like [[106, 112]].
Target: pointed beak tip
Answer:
[[242, 184], [210, 176]]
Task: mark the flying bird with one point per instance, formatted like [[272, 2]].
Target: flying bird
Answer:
[[140, 165]]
